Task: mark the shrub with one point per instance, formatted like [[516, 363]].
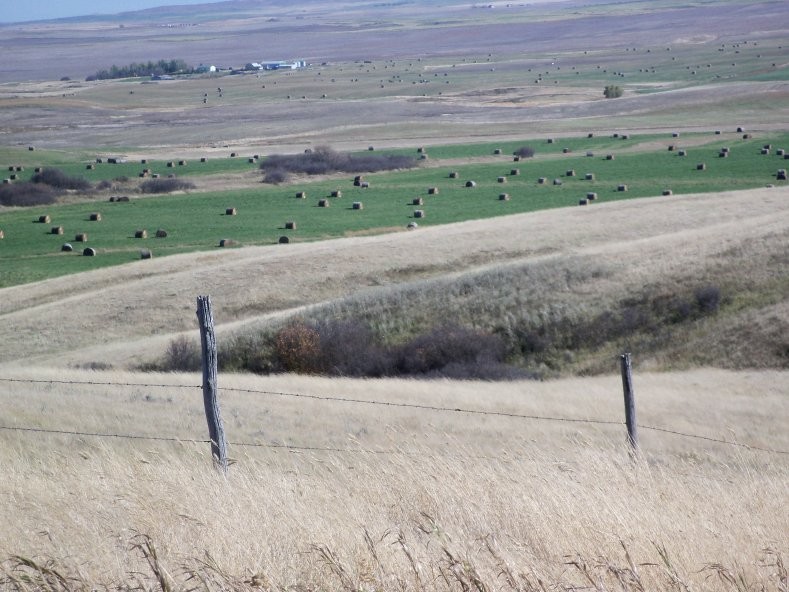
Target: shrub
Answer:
[[524, 152], [27, 194], [612, 91], [182, 355], [164, 185], [60, 180], [349, 348], [323, 160], [708, 299], [275, 176], [297, 348]]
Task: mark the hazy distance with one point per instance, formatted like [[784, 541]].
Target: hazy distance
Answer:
[[36, 10]]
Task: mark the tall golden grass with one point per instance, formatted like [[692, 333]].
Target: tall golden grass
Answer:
[[340, 496]]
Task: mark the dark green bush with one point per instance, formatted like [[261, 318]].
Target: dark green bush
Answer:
[[165, 185], [60, 180]]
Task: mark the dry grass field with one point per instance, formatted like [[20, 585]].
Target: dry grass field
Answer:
[[399, 485]]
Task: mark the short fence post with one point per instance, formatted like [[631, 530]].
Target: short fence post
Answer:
[[630, 401], [216, 431]]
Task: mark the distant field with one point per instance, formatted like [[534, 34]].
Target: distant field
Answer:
[[196, 220]]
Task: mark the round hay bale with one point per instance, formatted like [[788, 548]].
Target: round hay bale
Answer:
[[203, 159], [780, 152], [609, 157], [13, 177], [227, 242], [423, 157], [38, 170], [570, 173], [671, 147], [701, 166], [251, 160], [501, 179], [45, 219], [504, 197], [357, 180], [90, 167], [515, 172], [668, 192], [781, 175], [99, 160], [542, 181], [141, 233], [82, 237], [590, 135], [357, 205], [124, 198], [6, 181], [56, 230], [723, 154], [557, 181], [143, 175], [371, 148], [301, 195], [181, 163], [454, 175], [66, 248], [364, 185], [471, 184], [336, 193], [582, 202], [31, 148], [95, 217], [621, 187], [550, 140], [565, 150], [717, 132], [412, 225], [323, 203], [417, 201], [89, 252], [589, 176], [230, 211], [591, 196], [143, 161], [682, 153], [161, 233], [497, 151], [516, 159], [432, 191], [740, 129], [155, 175], [419, 213], [421, 150], [746, 136], [146, 254], [283, 240], [290, 225], [675, 135], [170, 164], [625, 136], [589, 154], [765, 151], [12, 168], [233, 155]]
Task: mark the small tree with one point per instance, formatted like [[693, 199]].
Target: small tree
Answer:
[[612, 91]]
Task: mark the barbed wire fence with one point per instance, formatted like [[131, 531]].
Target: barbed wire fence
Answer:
[[334, 400]]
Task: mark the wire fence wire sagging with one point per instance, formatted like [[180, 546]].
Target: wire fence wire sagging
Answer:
[[338, 400]]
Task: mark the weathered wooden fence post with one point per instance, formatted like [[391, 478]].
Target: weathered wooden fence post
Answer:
[[630, 401], [216, 430]]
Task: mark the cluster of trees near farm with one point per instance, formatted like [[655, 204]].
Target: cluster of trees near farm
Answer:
[[143, 69]]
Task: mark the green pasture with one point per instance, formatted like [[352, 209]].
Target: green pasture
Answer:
[[198, 221]]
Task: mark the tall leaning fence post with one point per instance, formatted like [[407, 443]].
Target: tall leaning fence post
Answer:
[[630, 401], [216, 430]]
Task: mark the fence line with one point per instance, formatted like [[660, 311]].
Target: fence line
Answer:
[[356, 401]]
